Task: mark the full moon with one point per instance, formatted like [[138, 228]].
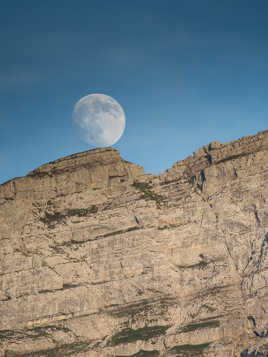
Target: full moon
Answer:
[[100, 119]]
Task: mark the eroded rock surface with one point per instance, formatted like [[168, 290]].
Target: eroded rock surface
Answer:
[[99, 259]]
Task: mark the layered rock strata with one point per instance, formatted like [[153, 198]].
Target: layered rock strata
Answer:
[[99, 259]]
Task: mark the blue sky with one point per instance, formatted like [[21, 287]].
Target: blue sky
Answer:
[[186, 72]]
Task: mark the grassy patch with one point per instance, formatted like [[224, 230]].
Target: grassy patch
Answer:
[[213, 291], [61, 351], [10, 334], [189, 350], [147, 193], [39, 174], [141, 186], [144, 307], [201, 265], [167, 182], [50, 219], [209, 308], [169, 226], [82, 212], [145, 333], [143, 353], [200, 325], [35, 332]]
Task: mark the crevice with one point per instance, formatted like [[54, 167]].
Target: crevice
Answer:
[[203, 179], [251, 318], [233, 157], [208, 155], [209, 158], [103, 236], [193, 179], [259, 261], [14, 187], [257, 216], [64, 287]]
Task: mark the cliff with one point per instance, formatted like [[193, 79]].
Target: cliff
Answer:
[[99, 259]]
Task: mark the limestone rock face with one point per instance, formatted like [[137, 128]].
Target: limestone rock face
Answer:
[[99, 259]]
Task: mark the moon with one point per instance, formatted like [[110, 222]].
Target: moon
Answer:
[[100, 119]]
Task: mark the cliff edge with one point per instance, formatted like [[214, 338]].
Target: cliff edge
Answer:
[[100, 259]]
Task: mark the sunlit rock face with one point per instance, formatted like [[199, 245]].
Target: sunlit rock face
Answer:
[[99, 259]]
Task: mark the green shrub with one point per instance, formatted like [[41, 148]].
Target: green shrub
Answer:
[[82, 212], [148, 194], [145, 333], [143, 353], [200, 325], [189, 350]]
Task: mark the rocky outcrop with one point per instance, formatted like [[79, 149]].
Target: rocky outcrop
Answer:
[[99, 259]]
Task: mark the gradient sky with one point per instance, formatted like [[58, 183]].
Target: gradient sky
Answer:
[[186, 72]]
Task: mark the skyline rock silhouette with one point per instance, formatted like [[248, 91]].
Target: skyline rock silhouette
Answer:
[[100, 259]]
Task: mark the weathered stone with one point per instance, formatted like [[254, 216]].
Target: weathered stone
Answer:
[[99, 259]]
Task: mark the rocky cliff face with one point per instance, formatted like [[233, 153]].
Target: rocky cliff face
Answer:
[[99, 259]]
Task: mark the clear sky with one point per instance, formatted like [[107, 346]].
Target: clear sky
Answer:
[[186, 72]]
